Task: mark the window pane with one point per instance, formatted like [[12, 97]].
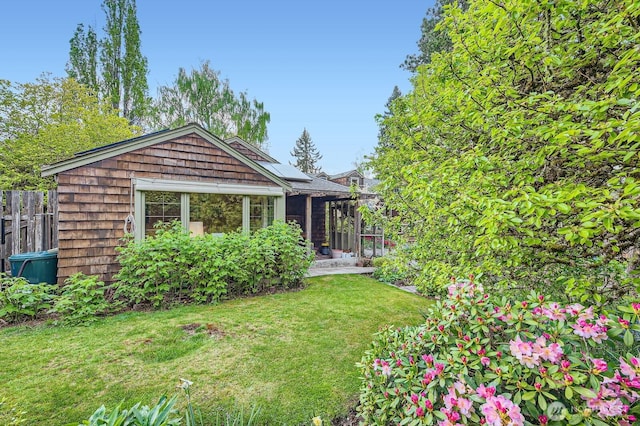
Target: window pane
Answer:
[[219, 213], [160, 207], [261, 212]]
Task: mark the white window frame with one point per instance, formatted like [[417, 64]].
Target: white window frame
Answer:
[[143, 185]]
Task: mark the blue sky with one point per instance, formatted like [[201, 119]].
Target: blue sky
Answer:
[[328, 66]]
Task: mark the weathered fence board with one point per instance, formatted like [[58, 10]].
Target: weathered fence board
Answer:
[[26, 223]]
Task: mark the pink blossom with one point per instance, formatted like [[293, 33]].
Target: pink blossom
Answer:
[[587, 330], [428, 405], [627, 369], [624, 323], [428, 359], [420, 412], [519, 348], [460, 388], [554, 312], [599, 366], [465, 406], [485, 361], [575, 309], [500, 411], [386, 368], [543, 419], [636, 308], [414, 398], [484, 392], [565, 364]]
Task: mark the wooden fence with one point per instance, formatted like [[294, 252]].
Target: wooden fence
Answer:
[[28, 222]]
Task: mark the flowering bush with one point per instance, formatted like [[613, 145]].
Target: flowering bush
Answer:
[[485, 360]]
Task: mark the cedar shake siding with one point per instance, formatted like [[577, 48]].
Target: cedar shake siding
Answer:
[[247, 152], [94, 199]]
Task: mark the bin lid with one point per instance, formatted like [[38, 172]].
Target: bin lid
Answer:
[[33, 255]]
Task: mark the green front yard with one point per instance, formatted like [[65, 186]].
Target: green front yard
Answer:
[[292, 354]]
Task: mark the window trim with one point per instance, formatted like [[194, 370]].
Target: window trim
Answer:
[[142, 185]]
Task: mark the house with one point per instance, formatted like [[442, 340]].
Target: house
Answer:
[[209, 184]]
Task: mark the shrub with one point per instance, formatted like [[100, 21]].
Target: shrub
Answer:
[[390, 271], [81, 299], [484, 360], [20, 300], [174, 266]]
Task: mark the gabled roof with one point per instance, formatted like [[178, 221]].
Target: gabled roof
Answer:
[[108, 151], [345, 174], [250, 147]]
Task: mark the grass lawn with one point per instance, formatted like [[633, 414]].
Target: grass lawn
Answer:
[[292, 354]]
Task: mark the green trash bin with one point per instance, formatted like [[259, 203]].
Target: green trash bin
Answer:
[[36, 267]]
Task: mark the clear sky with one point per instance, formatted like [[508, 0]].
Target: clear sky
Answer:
[[325, 65]]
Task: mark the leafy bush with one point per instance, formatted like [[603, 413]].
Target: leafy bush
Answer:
[[81, 299], [21, 300], [390, 271], [485, 360], [173, 266]]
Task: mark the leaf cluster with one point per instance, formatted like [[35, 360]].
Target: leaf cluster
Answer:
[[175, 267], [516, 153]]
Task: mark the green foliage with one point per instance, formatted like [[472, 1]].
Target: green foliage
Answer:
[[201, 97], [516, 154], [306, 154], [61, 117], [173, 266], [390, 271], [113, 67], [20, 300], [161, 414], [81, 299], [535, 358]]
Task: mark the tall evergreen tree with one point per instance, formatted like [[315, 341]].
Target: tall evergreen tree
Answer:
[[306, 154], [432, 39], [122, 75]]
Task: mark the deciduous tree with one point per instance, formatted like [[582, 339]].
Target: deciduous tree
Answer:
[[516, 154], [200, 96], [49, 121], [122, 75]]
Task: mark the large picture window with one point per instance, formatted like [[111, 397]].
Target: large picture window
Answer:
[[206, 208]]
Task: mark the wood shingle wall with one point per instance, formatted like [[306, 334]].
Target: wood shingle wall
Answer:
[[94, 200]]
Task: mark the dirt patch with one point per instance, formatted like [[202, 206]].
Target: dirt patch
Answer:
[[209, 328]]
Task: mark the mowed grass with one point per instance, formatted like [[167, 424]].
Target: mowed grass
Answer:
[[292, 354]]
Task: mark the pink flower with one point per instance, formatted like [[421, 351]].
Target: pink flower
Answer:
[[465, 406], [485, 361], [587, 330], [484, 392], [428, 405], [627, 369], [386, 368], [543, 419], [624, 323], [519, 348], [636, 308], [599, 366], [420, 412], [414, 398], [554, 312], [428, 359], [500, 411]]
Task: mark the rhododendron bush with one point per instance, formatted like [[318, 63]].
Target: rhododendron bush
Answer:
[[480, 359]]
